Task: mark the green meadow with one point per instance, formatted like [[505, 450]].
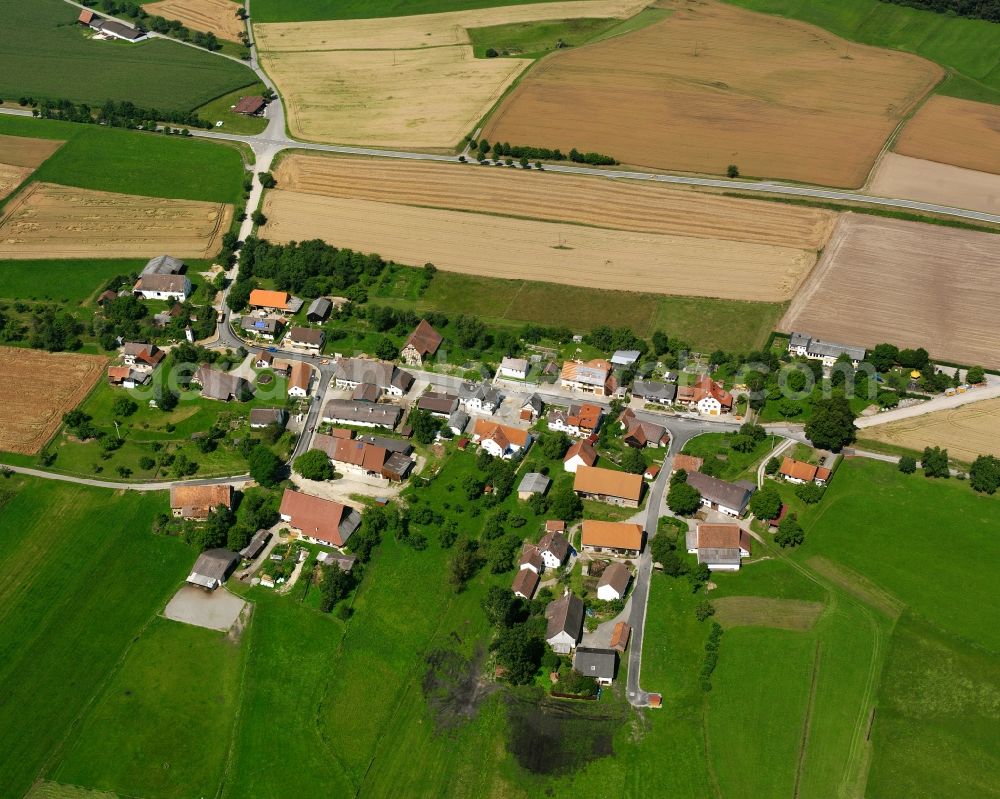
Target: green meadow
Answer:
[[45, 53]]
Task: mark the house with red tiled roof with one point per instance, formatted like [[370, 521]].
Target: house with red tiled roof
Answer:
[[582, 453], [500, 440], [577, 420], [318, 520], [591, 377], [706, 395], [794, 471], [719, 546], [423, 343]]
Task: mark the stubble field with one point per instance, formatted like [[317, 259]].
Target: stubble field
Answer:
[[19, 156], [51, 221], [623, 205], [36, 388], [952, 131], [966, 432], [400, 81], [911, 284], [714, 85], [933, 182], [212, 16], [520, 249]]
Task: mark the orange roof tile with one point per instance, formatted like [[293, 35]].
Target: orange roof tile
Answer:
[[614, 535]]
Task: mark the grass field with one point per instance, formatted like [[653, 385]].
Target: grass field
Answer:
[[734, 465], [303, 10], [535, 39], [971, 47], [67, 281], [161, 727], [220, 110], [130, 162], [77, 583], [63, 63]]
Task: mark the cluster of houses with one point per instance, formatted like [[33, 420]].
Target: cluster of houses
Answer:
[[138, 362], [110, 28]]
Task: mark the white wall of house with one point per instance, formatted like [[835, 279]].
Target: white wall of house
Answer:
[[607, 593], [551, 561], [562, 643], [519, 374], [573, 464]]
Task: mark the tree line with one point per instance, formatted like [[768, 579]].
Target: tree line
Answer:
[[974, 9], [154, 22], [114, 114], [505, 149]]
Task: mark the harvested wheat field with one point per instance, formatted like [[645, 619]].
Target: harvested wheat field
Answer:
[[908, 283], [399, 81], [212, 16], [714, 85], [931, 182], [50, 221], [11, 177], [966, 432], [952, 131], [624, 205], [36, 389], [519, 249], [19, 157]]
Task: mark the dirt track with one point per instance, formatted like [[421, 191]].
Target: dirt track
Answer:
[[36, 389], [714, 85], [478, 244], [929, 181], [911, 284], [623, 205], [966, 432], [50, 221], [211, 16], [952, 131]]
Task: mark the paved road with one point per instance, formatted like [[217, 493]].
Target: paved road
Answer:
[[990, 391], [774, 453], [119, 486]]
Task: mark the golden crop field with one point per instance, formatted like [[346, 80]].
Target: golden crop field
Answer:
[[713, 85], [908, 283], [400, 81], [933, 182], [621, 204], [519, 249], [11, 177], [36, 389], [966, 432], [19, 157], [211, 16], [50, 221], [952, 131]]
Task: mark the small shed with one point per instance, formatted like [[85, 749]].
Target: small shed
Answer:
[[250, 106], [533, 483], [319, 309]]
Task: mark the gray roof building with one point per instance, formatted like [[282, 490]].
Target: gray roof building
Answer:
[[654, 391], [389, 444], [164, 265], [383, 374], [262, 417], [366, 392], [213, 567], [439, 403], [625, 357], [155, 281], [268, 326], [256, 545], [534, 483], [564, 616], [219, 385], [479, 392], [601, 664], [718, 492], [458, 421], [361, 413], [319, 309], [306, 336]]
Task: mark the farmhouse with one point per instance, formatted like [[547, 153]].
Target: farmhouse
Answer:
[[804, 345], [616, 538], [479, 398], [162, 287], [607, 485], [525, 584], [614, 582], [366, 392], [531, 558], [352, 372], [423, 343], [592, 377], [361, 414], [125, 377], [582, 453], [394, 445], [532, 408], [110, 28], [554, 549], [601, 664], [268, 328], [500, 440], [794, 471], [719, 546], [213, 568], [533, 483], [654, 392], [142, 357], [641, 434], [564, 623], [250, 106], [357, 457], [197, 501], [263, 359], [687, 463], [319, 521], [706, 395], [219, 385], [306, 338], [299, 378], [729, 498], [438, 403], [164, 265], [274, 301], [513, 367], [577, 420], [264, 417]]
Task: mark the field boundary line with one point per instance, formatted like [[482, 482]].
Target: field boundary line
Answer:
[[807, 721], [248, 631], [709, 765]]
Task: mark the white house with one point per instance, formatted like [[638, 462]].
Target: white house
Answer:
[[499, 440], [614, 582], [564, 623], [479, 398], [729, 498], [299, 379], [162, 287], [582, 453], [513, 367], [828, 352], [554, 549], [719, 546]]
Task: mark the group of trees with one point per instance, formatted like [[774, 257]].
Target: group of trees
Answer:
[[975, 9], [682, 498], [117, 114], [314, 465], [831, 425], [518, 645], [504, 149], [674, 561], [154, 22]]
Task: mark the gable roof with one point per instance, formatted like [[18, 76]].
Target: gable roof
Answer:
[[525, 583], [584, 450], [148, 353], [616, 576], [424, 339], [613, 535], [321, 307], [438, 402], [163, 265], [265, 298], [307, 335], [720, 492], [591, 373], [156, 281], [594, 662], [654, 390], [362, 412], [535, 482], [554, 542], [323, 519], [722, 536], [514, 364], [530, 556], [485, 429], [355, 452], [300, 375], [555, 526], [798, 470], [596, 480], [249, 105], [689, 463], [620, 636], [197, 500], [213, 565], [216, 384], [564, 615]]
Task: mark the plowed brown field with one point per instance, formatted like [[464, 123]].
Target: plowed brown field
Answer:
[[623, 205], [36, 389], [519, 249], [952, 131], [966, 431], [50, 221], [911, 284], [714, 85], [212, 16], [933, 182], [25, 151]]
